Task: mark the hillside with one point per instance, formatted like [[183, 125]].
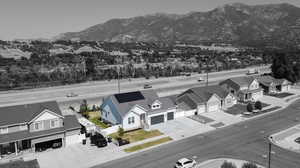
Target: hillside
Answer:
[[235, 23]]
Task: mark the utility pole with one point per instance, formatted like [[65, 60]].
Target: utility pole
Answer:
[[206, 71], [270, 152], [119, 89]]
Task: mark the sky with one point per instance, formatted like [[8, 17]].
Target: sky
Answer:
[[22, 19]]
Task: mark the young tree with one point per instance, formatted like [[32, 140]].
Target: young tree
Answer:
[[249, 107], [120, 132], [249, 165], [258, 105], [83, 106], [228, 165]]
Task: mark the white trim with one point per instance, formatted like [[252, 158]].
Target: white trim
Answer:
[[4, 132], [41, 113], [23, 127]]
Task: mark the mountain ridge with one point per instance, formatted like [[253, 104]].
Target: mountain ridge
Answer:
[[236, 23]]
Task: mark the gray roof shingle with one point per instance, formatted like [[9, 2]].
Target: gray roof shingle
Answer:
[[18, 114], [149, 97]]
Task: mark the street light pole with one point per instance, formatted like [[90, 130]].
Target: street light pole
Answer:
[[270, 149], [119, 89]]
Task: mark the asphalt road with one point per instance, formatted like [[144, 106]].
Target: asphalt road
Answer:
[[247, 140], [94, 91]]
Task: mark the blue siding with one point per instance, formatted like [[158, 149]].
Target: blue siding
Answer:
[[113, 115]]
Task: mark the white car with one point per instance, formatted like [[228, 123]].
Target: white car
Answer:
[[185, 163]]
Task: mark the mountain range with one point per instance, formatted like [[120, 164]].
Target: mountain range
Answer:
[[237, 23]]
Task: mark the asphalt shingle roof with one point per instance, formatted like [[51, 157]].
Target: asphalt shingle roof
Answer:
[[238, 82], [70, 123], [11, 115], [149, 97], [268, 80]]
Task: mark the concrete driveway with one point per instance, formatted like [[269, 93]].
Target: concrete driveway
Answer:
[[182, 127]]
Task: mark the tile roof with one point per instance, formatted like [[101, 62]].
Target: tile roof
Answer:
[[18, 114]]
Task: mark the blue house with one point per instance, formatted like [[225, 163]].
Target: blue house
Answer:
[[139, 109]]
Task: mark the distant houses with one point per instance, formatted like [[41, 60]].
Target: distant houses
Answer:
[[143, 109]]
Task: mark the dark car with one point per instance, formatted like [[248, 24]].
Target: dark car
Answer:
[[297, 140], [98, 140], [121, 142], [147, 86]]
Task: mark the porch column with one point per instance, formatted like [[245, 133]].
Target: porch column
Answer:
[[16, 148]]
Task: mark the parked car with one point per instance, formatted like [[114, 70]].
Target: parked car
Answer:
[[121, 142], [72, 94], [98, 140], [147, 86], [185, 163]]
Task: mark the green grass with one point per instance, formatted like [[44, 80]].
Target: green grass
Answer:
[[99, 123], [148, 144], [137, 135]]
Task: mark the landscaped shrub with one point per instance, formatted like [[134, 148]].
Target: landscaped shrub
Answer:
[[258, 105], [228, 165], [249, 165], [249, 107]]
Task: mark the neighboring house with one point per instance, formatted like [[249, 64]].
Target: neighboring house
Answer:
[[205, 99], [36, 127], [245, 88], [139, 109], [272, 85]]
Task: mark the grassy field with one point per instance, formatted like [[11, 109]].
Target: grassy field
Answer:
[[137, 135], [148, 144]]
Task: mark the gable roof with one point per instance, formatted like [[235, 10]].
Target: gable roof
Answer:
[[203, 94], [13, 115], [268, 80], [149, 97], [238, 82]]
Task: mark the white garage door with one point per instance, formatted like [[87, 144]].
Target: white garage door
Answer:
[[285, 88], [213, 107], [179, 114], [189, 113], [74, 139], [201, 109], [257, 95]]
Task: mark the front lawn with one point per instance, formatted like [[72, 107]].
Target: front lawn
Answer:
[[137, 135], [281, 95], [241, 108], [148, 144], [99, 123]]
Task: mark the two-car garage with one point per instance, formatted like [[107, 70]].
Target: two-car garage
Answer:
[[158, 119]]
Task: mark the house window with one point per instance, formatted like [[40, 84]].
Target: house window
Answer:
[[38, 125], [131, 120], [23, 127], [54, 123], [4, 130]]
